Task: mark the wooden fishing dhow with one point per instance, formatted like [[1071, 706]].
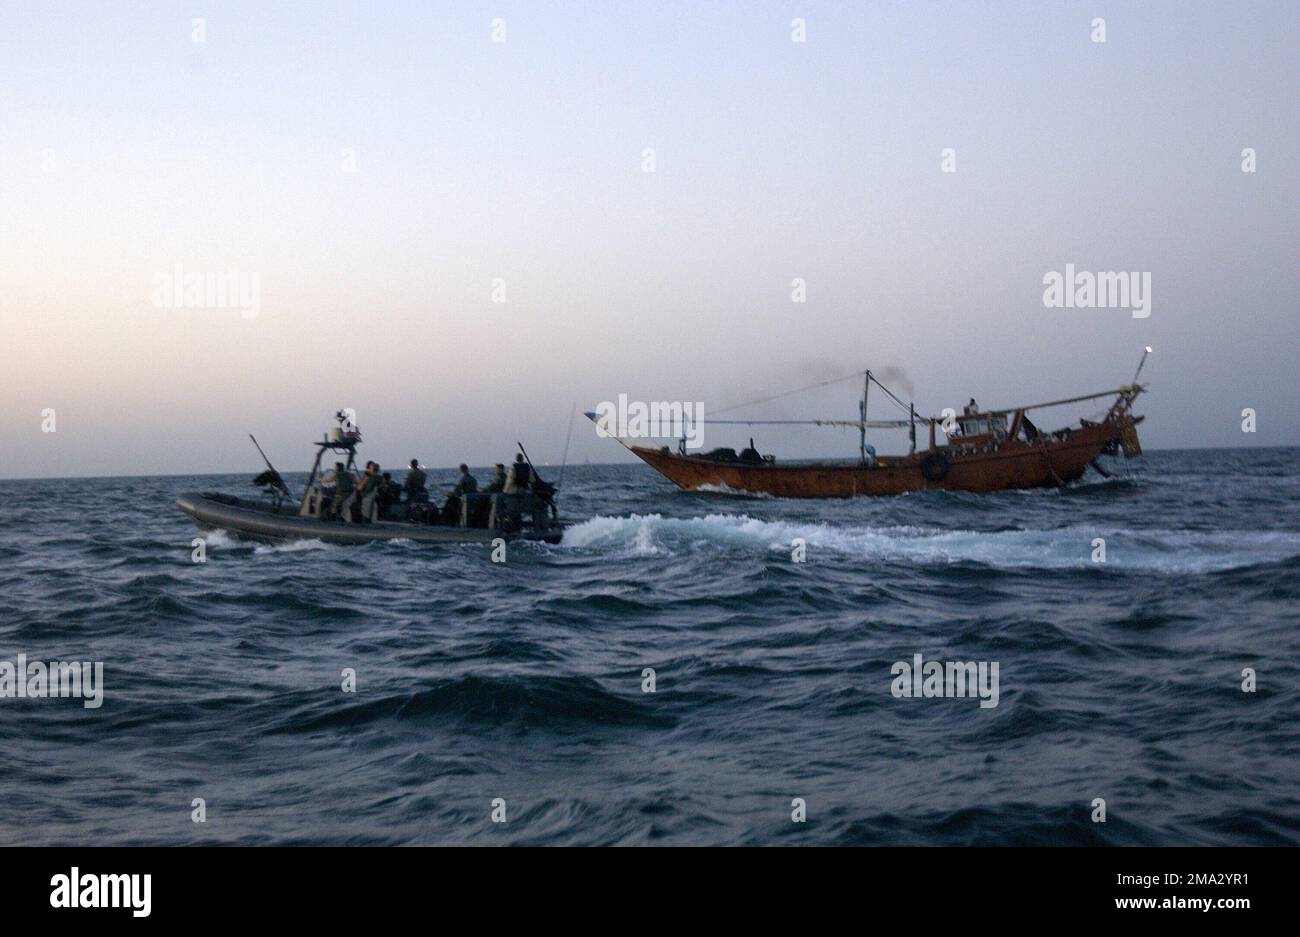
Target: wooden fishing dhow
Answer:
[[982, 451]]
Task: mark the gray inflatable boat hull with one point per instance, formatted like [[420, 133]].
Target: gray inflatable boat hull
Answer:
[[262, 523]]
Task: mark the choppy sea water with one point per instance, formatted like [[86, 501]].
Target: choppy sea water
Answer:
[[524, 680]]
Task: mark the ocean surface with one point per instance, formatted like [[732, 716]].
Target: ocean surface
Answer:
[[521, 683]]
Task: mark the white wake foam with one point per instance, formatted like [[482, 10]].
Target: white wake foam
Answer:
[[223, 540], [293, 546], [219, 538], [1174, 551]]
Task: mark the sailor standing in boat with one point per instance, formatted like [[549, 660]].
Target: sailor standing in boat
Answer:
[[371, 483], [346, 493], [498, 482], [520, 476], [390, 493], [329, 483], [517, 484], [467, 484], [414, 484]]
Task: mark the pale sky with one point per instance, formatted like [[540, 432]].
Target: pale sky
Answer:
[[377, 166]]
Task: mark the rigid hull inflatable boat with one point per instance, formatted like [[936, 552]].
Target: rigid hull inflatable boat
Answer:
[[526, 513]]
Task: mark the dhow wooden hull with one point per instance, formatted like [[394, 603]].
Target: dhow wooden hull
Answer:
[[1011, 465]]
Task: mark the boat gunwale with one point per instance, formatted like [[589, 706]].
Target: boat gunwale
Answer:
[[265, 523]]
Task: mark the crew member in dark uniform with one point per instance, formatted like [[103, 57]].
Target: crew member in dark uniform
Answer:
[[520, 477], [390, 493], [514, 494], [465, 485], [498, 482], [415, 481]]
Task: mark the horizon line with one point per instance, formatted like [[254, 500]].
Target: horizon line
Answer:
[[452, 468]]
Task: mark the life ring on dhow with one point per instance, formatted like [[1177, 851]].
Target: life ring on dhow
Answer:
[[934, 467]]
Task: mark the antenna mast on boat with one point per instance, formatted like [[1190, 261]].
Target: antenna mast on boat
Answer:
[[1145, 352], [567, 436], [862, 409]]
